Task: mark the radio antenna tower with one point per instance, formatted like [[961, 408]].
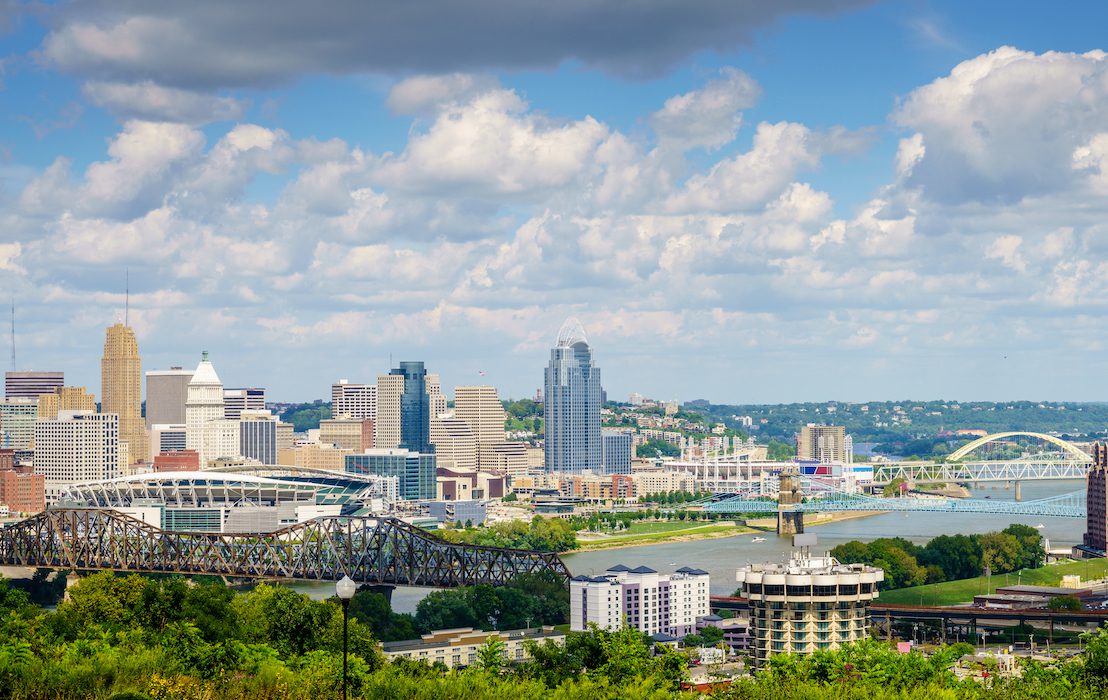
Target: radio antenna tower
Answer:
[[127, 298], [13, 334]]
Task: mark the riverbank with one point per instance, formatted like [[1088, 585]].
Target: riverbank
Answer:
[[689, 534], [814, 519]]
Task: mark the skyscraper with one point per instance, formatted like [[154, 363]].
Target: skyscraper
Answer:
[[572, 409], [121, 388], [235, 401], [167, 391], [415, 408], [206, 430], [480, 407]]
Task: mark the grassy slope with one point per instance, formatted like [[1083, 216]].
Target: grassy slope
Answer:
[[963, 591]]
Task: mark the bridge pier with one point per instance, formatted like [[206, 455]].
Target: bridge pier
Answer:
[[790, 521], [1019, 492], [383, 590], [71, 579]]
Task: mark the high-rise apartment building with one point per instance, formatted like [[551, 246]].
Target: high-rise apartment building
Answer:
[[206, 430], [358, 401], [258, 436], [808, 604], [77, 447], [415, 471], [17, 423], [480, 407], [1096, 502], [640, 598], [455, 445], [65, 398], [167, 391], [825, 443], [31, 385], [121, 388], [235, 401], [573, 400]]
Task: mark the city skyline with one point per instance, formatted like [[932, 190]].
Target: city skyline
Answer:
[[743, 203]]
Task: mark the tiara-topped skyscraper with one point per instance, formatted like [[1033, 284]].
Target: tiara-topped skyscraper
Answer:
[[572, 404]]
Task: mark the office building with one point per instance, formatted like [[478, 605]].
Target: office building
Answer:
[[313, 456], [824, 443], [258, 436], [347, 433], [616, 451], [235, 401], [407, 397], [640, 598], [455, 444], [206, 430], [480, 407], [386, 427], [167, 438], [286, 436], [573, 400], [456, 648], [31, 385], [21, 490], [808, 604], [414, 471], [17, 423], [167, 392], [78, 446], [1095, 541], [357, 401], [65, 398], [121, 388], [510, 459]]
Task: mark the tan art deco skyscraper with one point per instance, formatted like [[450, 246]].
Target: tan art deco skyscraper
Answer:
[[121, 387]]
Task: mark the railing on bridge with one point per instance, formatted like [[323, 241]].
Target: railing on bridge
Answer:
[[370, 550], [1071, 505]]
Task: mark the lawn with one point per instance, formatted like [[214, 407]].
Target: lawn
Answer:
[[963, 591]]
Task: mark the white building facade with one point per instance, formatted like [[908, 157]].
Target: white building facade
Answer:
[[80, 446], [641, 598]]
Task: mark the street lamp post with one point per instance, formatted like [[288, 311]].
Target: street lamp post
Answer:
[[345, 590]]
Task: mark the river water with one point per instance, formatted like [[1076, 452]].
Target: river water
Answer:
[[721, 557]]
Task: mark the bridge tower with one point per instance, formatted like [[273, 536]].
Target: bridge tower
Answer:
[[790, 521]]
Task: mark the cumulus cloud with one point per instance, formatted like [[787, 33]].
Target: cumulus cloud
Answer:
[[1006, 125], [208, 44], [708, 117], [495, 220]]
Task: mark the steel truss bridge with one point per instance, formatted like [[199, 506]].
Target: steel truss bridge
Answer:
[[1031, 469], [370, 550], [1070, 505]]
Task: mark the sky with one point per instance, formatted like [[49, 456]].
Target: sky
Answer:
[[741, 201]]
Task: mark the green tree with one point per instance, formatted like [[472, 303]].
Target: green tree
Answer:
[[959, 556], [650, 449], [1096, 654], [1000, 552], [492, 656], [1031, 551], [1065, 602]]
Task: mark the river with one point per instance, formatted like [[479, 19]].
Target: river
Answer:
[[721, 557]]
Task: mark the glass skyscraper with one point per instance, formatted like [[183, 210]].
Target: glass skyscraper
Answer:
[[415, 408], [572, 404]]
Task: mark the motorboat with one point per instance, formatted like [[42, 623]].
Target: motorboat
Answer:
[[758, 539], [1040, 526]]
